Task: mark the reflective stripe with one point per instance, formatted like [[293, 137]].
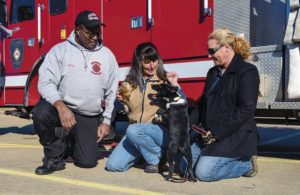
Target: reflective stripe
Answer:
[[15, 81], [183, 69]]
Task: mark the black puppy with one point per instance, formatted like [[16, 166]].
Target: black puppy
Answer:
[[177, 114]]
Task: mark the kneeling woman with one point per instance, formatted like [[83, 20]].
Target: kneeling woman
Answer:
[[226, 111], [143, 138]]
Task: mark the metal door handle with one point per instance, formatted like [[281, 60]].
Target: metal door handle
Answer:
[[150, 20], [206, 9], [39, 11]]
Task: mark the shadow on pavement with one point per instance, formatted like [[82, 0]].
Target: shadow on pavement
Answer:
[[278, 121], [28, 130], [281, 142]]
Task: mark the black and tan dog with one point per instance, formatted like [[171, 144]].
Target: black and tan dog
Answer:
[[177, 115]]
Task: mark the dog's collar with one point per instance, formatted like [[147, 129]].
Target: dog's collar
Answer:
[[177, 101], [174, 99]]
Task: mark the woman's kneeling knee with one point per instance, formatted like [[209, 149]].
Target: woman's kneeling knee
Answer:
[[131, 132], [114, 167], [204, 174]]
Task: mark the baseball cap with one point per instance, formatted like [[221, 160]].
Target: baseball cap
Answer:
[[88, 19]]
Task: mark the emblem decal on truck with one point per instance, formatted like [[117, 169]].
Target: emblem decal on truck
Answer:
[[16, 52]]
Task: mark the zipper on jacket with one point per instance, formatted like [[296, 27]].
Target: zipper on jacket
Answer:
[[143, 100]]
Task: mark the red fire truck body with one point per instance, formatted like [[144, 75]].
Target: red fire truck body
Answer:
[[178, 28], [29, 28]]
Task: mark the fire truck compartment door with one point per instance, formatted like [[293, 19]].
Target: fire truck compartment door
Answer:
[[126, 27], [181, 28], [22, 48]]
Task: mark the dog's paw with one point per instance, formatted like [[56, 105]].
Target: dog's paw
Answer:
[[192, 179], [157, 118], [168, 178]]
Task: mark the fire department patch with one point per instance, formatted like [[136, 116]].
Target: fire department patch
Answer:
[[96, 68], [17, 54]]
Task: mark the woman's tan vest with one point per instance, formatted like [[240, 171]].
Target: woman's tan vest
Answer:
[[140, 108]]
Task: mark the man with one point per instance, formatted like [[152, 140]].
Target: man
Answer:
[[74, 78], [3, 12]]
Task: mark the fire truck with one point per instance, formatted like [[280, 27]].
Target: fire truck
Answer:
[[179, 29]]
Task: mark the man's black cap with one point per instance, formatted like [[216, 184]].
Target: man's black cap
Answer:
[[88, 19]]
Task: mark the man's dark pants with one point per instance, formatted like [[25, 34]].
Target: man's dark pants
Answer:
[[84, 135]]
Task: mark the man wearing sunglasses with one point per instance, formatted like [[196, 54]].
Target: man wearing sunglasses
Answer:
[[75, 77]]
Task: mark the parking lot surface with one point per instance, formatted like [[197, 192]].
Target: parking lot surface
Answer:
[[21, 153]]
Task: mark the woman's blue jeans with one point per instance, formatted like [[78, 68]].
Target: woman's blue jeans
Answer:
[[213, 168], [141, 140]]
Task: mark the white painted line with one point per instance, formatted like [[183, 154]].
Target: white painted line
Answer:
[[278, 160], [5, 145], [75, 182]]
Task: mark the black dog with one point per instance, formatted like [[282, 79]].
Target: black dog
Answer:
[[176, 108]]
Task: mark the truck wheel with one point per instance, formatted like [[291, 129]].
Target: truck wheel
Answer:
[[297, 115]]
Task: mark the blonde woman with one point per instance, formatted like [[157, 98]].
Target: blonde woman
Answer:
[[226, 112]]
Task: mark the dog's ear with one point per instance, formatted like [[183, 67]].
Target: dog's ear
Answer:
[[172, 89]]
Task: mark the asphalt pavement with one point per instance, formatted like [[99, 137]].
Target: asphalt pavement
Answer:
[[21, 153]]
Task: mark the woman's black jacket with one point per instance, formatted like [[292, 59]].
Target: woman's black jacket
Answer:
[[228, 110]]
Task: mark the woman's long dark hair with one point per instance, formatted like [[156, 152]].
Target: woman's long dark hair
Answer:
[[144, 52]]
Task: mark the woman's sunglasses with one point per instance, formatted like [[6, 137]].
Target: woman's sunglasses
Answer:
[[212, 51]]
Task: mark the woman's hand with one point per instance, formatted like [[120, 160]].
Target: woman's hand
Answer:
[[119, 96], [207, 136], [172, 78]]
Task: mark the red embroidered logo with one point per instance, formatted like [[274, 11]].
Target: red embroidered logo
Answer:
[[96, 68], [71, 65]]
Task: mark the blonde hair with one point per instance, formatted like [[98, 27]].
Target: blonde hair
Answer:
[[226, 37]]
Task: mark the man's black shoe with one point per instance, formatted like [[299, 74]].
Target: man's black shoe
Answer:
[[48, 169], [49, 166]]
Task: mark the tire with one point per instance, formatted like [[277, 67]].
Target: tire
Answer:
[[297, 115]]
